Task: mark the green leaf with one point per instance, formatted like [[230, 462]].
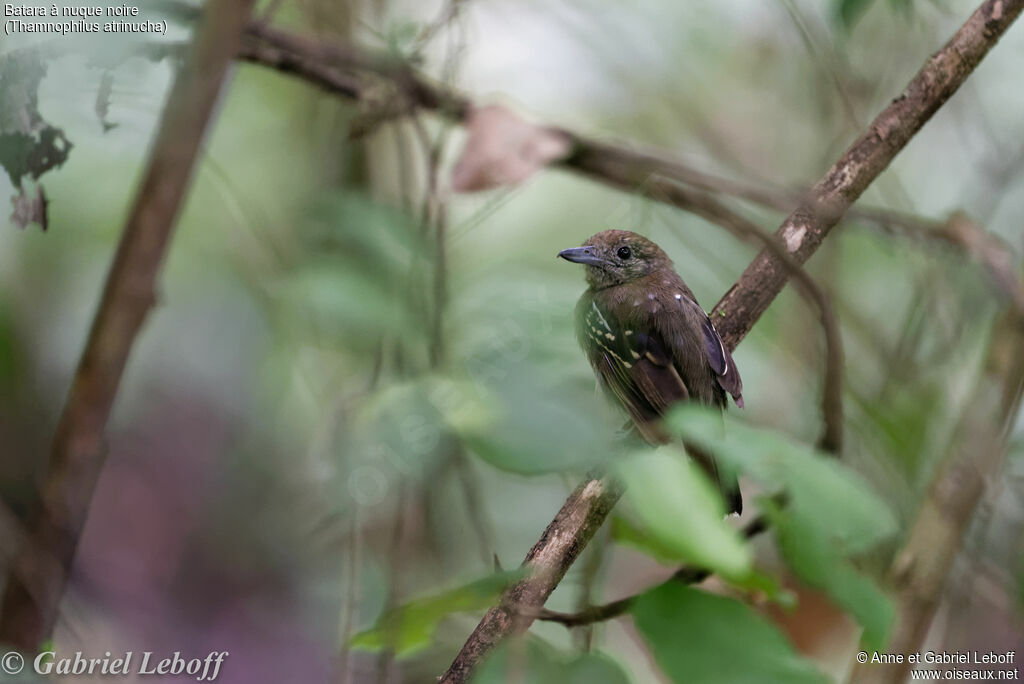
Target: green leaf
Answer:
[[534, 426], [818, 564], [831, 497], [831, 514], [700, 637], [626, 532], [534, 662], [676, 505], [411, 627], [849, 11]]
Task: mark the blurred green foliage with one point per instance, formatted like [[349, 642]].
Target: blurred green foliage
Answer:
[[411, 627], [301, 302], [699, 637], [530, 661], [827, 513], [677, 507]]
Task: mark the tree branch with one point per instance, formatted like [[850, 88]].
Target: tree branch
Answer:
[[335, 68], [35, 586], [804, 230]]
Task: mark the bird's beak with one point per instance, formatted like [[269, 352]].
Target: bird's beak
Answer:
[[581, 255]]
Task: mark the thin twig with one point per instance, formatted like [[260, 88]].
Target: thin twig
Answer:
[[688, 574]]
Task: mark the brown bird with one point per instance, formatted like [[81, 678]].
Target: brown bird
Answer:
[[650, 343]]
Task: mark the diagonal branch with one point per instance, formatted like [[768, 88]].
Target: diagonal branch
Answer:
[[36, 585], [801, 233], [342, 70]]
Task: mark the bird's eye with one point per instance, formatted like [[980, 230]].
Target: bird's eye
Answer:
[[624, 253]]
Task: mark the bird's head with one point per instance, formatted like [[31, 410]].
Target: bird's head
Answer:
[[614, 257]]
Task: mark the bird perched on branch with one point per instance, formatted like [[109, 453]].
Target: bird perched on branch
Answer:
[[649, 341]]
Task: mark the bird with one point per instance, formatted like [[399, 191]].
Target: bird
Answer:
[[649, 342]]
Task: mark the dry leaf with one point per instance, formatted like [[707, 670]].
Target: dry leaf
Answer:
[[29, 146], [30, 207], [504, 149]]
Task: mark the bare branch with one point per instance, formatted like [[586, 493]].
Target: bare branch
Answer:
[[78, 448], [869, 155], [334, 68]]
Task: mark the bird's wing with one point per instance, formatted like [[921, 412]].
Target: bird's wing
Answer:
[[719, 357], [637, 368], [634, 366]]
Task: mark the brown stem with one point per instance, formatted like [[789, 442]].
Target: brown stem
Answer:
[[35, 588]]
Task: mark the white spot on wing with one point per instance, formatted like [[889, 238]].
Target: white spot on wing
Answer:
[[598, 312]]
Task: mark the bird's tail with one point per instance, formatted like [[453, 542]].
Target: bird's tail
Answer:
[[727, 483]]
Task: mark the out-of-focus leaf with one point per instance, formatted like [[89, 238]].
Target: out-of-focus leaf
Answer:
[[411, 627], [504, 149], [903, 6], [29, 146], [678, 508], [700, 637], [345, 305], [402, 419], [536, 425], [831, 497], [1016, 448], [626, 532], [102, 105], [849, 11], [534, 662], [831, 512], [904, 424], [817, 562], [359, 274]]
